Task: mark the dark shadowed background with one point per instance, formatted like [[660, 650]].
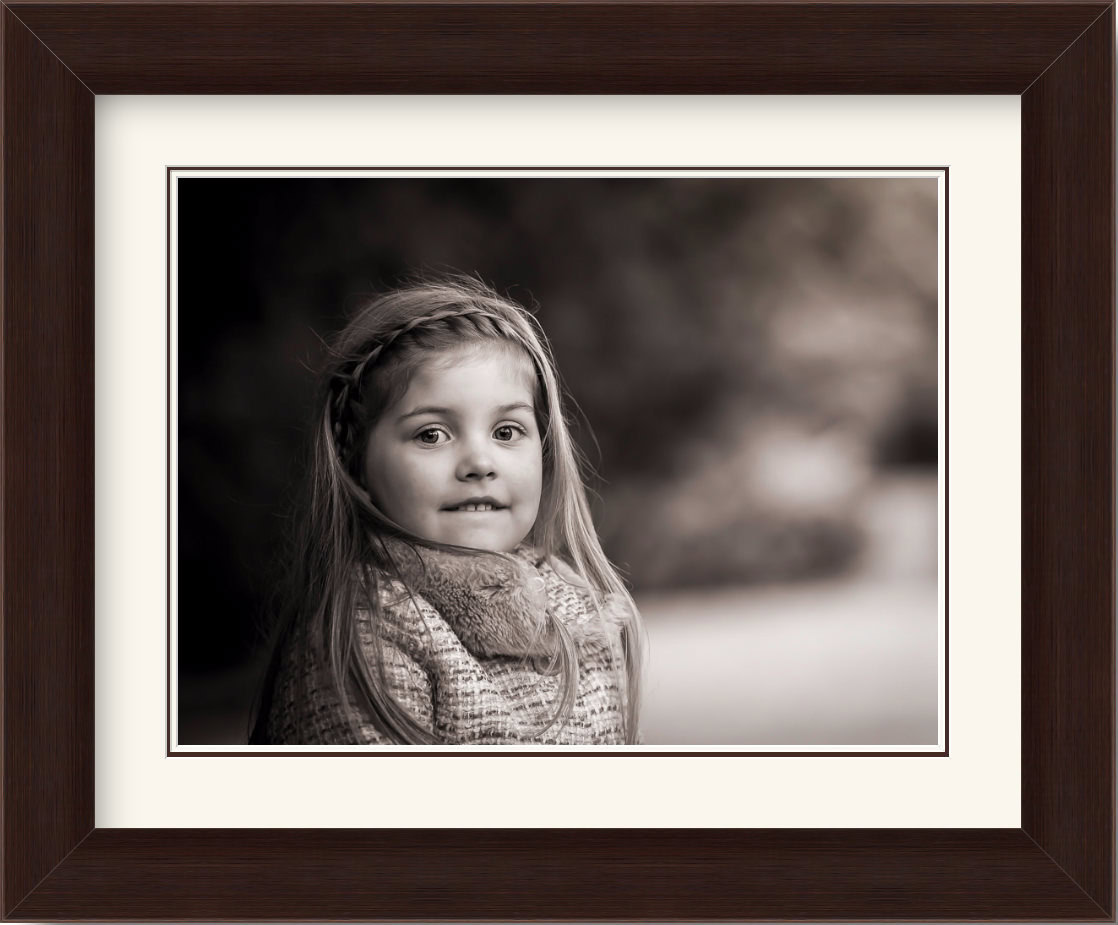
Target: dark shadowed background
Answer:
[[756, 363]]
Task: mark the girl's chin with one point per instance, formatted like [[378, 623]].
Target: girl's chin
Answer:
[[478, 537], [473, 531], [489, 545]]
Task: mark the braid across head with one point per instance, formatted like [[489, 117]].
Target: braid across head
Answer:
[[358, 395]]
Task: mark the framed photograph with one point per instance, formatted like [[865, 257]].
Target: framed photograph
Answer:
[[59, 863]]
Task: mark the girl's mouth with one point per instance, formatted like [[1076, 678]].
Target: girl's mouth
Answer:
[[476, 508]]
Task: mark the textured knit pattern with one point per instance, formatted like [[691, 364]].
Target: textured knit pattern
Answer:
[[445, 666]]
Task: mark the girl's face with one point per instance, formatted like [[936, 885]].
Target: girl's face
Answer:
[[459, 458]]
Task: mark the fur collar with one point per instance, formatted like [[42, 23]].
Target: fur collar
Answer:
[[507, 604]]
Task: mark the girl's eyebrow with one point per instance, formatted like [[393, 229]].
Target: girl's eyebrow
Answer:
[[448, 412]]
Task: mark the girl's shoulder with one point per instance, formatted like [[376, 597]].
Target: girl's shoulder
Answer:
[[592, 615]]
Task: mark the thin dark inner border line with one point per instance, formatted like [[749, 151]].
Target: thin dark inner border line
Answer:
[[460, 751]]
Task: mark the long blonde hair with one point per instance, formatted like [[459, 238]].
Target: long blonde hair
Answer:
[[368, 369]]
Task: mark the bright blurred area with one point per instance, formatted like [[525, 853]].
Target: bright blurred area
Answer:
[[752, 367], [841, 661]]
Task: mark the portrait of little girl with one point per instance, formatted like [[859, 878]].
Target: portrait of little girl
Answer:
[[454, 588], [502, 463]]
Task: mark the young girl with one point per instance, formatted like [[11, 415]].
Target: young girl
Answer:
[[449, 586]]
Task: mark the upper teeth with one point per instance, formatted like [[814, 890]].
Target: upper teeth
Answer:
[[474, 507]]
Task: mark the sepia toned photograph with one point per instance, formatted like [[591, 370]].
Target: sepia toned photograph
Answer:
[[632, 462]]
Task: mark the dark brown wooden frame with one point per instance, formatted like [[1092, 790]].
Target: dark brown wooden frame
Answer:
[[1058, 56]]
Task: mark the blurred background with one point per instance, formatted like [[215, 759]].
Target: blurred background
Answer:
[[755, 361]]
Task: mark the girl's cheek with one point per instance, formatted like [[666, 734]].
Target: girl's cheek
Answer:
[[426, 469]]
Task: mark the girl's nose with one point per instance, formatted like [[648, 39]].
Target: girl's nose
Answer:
[[476, 462]]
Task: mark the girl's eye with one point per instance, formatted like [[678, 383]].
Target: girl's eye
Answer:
[[430, 436], [508, 432]]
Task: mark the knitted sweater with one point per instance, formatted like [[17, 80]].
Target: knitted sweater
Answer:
[[466, 655]]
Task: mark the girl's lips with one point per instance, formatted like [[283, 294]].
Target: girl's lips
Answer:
[[475, 508]]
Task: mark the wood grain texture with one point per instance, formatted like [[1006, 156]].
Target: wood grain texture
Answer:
[[1067, 464], [558, 875], [46, 358], [585, 48], [1059, 866]]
